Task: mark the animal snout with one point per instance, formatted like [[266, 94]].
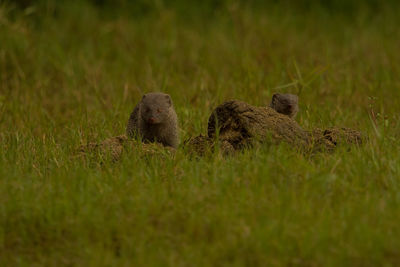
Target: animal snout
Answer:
[[151, 120]]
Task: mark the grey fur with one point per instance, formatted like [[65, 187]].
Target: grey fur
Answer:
[[287, 104], [154, 120]]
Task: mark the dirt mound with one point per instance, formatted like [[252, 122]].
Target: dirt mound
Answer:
[[115, 146], [237, 125], [330, 138], [111, 146], [202, 145], [238, 122]]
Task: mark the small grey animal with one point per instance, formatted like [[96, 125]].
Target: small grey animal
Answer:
[[287, 104], [154, 120]]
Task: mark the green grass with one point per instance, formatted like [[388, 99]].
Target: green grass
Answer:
[[72, 73]]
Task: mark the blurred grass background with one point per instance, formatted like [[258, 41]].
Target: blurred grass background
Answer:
[[72, 71]]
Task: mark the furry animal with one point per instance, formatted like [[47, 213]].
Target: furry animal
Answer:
[[287, 104], [154, 120]]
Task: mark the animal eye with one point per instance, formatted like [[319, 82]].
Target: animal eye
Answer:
[[158, 110]]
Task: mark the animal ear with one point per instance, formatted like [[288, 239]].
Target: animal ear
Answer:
[[169, 100]]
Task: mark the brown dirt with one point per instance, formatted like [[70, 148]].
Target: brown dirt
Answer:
[[114, 146], [239, 122], [203, 145], [238, 125], [332, 137]]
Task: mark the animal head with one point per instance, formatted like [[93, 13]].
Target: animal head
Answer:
[[285, 103], [155, 107]]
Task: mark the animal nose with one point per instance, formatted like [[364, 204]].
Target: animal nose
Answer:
[[152, 120]]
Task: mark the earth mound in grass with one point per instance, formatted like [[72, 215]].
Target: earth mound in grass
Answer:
[[237, 125], [115, 146]]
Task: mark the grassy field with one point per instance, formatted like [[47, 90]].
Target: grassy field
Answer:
[[72, 71]]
